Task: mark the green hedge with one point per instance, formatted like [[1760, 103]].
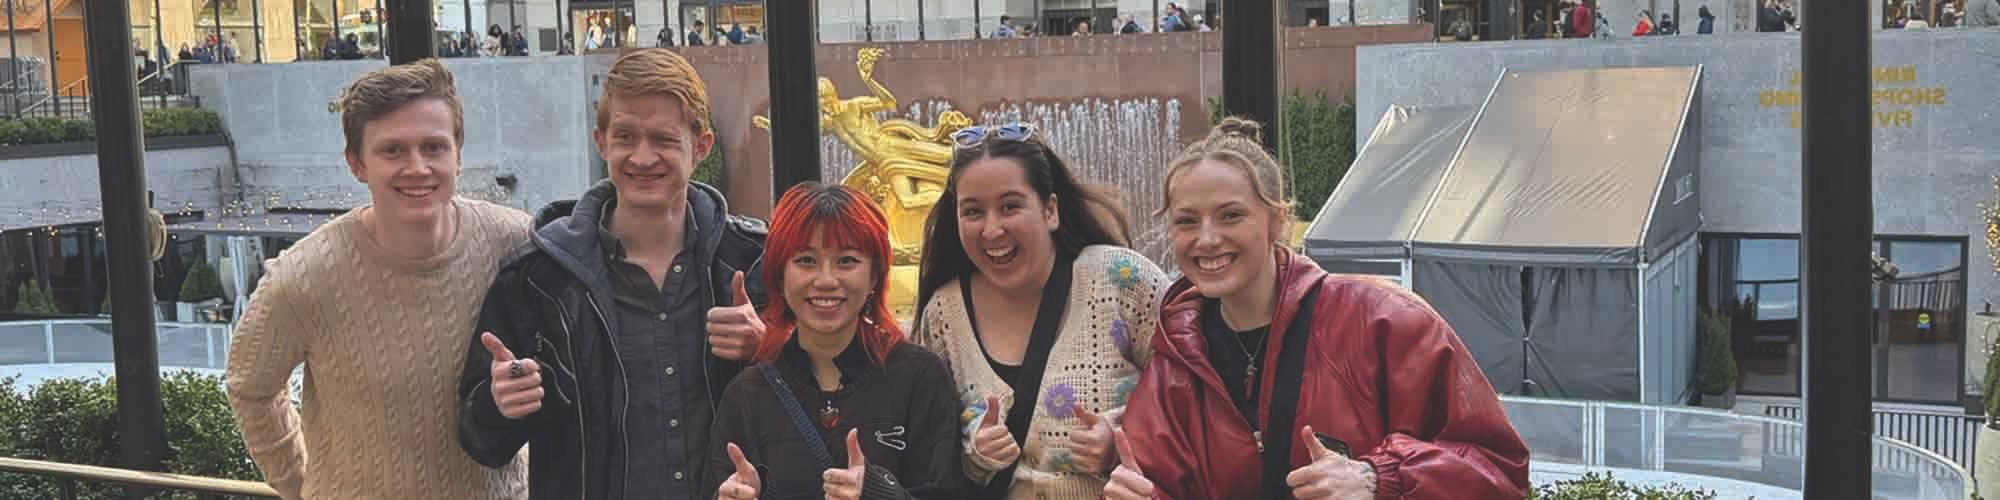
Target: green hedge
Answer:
[[1318, 145], [76, 421], [166, 122], [1594, 487]]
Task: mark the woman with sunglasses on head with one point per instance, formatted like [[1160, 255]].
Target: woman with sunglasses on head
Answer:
[[1267, 369], [1043, 315], [839, 406]]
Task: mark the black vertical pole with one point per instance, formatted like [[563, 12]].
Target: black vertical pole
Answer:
[[1250, 64], [55, 82], [382, 26], [975, 21], [1156, 17], [794, 95], [920, 19], [300, 41], [336, 20], [217, 51], [121, 173], [1093, 17], [867, 23], [159, 35], [257, 28], [13, 64], [470, 33], [714, 23], [409, 32], [1839, 218]]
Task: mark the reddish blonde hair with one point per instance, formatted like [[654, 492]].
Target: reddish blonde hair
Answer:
[[845, 219]]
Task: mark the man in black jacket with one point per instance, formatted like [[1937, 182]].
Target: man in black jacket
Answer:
[[606, 343]]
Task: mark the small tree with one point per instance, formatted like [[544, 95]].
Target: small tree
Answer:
[[201, 283], [33, 299], [1717, 368]]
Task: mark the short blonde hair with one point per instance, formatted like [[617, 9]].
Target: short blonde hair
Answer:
[[383, 91], [656, 72], [1237, 142]]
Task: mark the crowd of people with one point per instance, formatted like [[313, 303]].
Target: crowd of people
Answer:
[[640, 341]]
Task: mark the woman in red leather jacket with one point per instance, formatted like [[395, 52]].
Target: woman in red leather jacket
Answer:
[[1365, 390]]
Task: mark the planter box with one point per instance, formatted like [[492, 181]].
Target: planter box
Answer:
[[1725, 401], [24, 151]]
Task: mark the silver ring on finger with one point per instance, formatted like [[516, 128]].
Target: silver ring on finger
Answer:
[[514, 368]]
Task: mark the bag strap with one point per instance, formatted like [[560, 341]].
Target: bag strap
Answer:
[[799, 419], [1279, 436]]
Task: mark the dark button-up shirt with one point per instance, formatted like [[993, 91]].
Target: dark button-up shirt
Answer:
[[661, 338]]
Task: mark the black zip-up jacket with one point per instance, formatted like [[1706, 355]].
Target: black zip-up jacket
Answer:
[[552, 302]]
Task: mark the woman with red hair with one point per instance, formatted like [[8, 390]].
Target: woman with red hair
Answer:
[[838, 406]]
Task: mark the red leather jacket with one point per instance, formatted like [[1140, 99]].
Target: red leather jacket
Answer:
[[1438, 431]]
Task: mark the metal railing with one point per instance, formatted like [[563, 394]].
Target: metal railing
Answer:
[[1693, 444], [163, 88], [85, 341], [69, 476], [1954, 436]]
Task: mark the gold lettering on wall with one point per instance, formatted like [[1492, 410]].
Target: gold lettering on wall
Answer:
[[1897, 96]]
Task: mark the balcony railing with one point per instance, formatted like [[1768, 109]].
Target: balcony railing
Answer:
[[69, 476], [1737, 455]]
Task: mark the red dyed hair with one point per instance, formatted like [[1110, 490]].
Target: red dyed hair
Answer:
[[845, 219]]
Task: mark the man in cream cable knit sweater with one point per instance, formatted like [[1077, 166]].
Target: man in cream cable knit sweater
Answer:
[[376, 305]]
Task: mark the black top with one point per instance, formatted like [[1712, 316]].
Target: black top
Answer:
[[1231, 352], [905, 409]]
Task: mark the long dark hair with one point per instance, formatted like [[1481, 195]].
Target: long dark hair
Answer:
[[944, 257]]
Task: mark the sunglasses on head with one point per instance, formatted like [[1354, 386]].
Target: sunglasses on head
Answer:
[[976, 134]]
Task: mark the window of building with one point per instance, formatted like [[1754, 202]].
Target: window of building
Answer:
[[1918, 327]]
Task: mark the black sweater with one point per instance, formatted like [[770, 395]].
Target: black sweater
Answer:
[[906, 409]]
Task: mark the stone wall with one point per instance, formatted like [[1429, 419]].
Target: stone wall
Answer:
[[524, 117], [48, 191], [530, 117]]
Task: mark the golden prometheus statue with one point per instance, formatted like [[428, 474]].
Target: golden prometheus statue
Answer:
[[903, 167]]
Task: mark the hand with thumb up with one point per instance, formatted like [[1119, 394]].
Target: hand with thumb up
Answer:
[[1127, 481], [742, 485], [516, 383], [1330, 476], [1090, 443], [992, 441], [845, 484], [734, 330]]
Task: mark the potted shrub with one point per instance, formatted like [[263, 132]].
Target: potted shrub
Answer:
[[1715, 373], [201, 285]]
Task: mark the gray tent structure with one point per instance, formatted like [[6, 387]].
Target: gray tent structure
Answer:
[[1553, 226]]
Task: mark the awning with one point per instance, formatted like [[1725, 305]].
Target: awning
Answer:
[[1589, 167]]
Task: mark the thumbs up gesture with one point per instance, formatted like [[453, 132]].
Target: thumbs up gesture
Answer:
[[992, 441], [734, 331], [517, 383], [743, 484], [1127, 481], [1330, 476], [1090, 444], [845, 484]]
